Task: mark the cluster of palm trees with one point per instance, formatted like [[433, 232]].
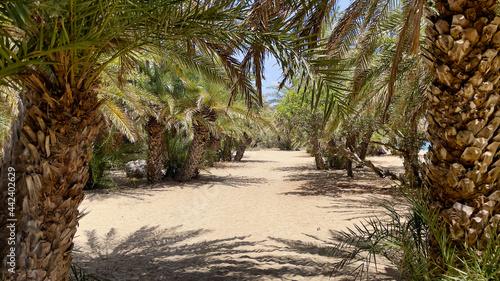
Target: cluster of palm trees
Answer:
[[67, 64], [61, 58], [403, 84]]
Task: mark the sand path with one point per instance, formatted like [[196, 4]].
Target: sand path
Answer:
[[266, 218]]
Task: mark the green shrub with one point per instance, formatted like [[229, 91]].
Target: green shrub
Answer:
[[106, 156], [177, 151], [403, 239], [100, 162]]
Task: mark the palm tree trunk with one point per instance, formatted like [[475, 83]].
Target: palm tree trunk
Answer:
[[350, 146], [464, 118], [335, 162], [318, 156], [50, 158], [363, 146], [226, 151], [412, 170], [156, 149], [189, 170], [242, 146]]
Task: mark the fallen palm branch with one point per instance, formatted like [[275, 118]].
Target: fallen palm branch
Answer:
[[339, 151]]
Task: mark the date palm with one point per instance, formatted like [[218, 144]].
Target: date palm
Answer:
[[165, 86], [58, 50], [461, 173], [168, 83], [201, 117]]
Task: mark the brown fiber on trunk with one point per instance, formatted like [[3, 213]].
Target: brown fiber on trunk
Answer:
[[51, 161], [464, 165], [156, 149]]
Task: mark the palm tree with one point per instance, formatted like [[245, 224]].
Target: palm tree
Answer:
[[203, 116], [160, 81], [213, 148], [227, 148], [58, 51]]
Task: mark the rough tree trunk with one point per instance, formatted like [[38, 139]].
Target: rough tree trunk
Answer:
[[464, 117], [51, 165], [318, 156], [226, 150], [156, 149], [363, 146], [412, 170], [348, 167], [335, 162], [350, 146], [197, 148], [242, 146]]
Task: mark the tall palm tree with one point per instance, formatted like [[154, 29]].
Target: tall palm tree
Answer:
[[165, 86], [203, 117], [211, 104], [58, 50]]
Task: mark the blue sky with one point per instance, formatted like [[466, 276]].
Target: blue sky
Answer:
[[272, 71]]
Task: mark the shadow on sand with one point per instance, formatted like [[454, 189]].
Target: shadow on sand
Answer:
[[203, 180], [335, 183], [230, 180], [153, 254]]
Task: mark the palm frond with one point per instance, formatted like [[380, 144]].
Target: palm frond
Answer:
[[119, 119]]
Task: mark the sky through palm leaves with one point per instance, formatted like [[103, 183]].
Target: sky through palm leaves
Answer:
[[272, 71]]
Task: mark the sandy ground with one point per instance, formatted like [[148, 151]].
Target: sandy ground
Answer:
[[269, 217]]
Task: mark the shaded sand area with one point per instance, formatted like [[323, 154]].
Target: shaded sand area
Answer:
[[266, 218]]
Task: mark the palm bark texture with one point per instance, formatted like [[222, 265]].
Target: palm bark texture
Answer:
[[51, 160], [197, 148], [464, 117], [156, 150]]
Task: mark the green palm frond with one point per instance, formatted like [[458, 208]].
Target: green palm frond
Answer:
[[119, 119]]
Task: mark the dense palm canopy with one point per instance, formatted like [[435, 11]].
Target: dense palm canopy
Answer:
[[57, 52], [65, 62]]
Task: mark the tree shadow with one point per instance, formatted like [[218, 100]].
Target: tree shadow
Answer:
[[155, 254], [337, 267], [232, 164], [135, 193], [165, 186], [248, 160], [335, 183], [230, 180], [298, 168]]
